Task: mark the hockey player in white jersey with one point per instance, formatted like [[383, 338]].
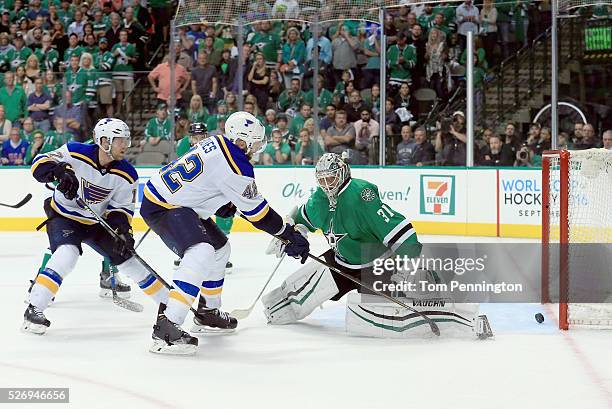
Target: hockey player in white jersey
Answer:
[[178, 203], [102, 178]]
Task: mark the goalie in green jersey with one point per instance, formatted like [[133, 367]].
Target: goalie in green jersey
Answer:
[[360, 230]]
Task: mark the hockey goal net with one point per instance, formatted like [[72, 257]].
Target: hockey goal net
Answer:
[[576, 236]]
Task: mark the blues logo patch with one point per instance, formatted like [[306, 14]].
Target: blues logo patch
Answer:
[[94, 194]]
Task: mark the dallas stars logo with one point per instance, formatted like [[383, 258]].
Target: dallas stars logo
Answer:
[[333, 238], [367, 194]]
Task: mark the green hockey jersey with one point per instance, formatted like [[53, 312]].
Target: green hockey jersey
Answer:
[[78, 84], [360, 228], [48, 60], [401, 71]]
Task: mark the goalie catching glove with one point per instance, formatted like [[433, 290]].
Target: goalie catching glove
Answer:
[[291, 241]]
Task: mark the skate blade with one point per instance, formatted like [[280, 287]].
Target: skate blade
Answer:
[[162, 348], [104, 293], [202, 329], [228, 270], [30, 327]]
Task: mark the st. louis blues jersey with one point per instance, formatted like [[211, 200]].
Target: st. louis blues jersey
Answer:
[[106, 190], [213, 173]]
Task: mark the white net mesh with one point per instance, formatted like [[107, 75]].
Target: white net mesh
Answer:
[[232, 12], [589, 222], [566, 6]]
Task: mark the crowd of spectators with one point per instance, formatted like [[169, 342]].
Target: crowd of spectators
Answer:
[[64, 64]]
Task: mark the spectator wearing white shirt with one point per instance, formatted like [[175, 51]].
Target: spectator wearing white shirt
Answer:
[[286, 9], [5, 125], [467, 19], [488, 28], [366, 129], [77, 25]]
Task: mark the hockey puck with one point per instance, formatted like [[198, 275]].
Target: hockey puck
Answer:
[[539, 318]]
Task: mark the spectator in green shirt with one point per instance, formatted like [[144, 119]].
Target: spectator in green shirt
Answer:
[[293, 57], [269, 122], [325, 96], [158, 127], [197, 112], [297, 123], [401, 59], [307, 150], [213, 121], [123, 71], [266, 42], [277, 152], [13, 98], [37, 146], [292, 97]]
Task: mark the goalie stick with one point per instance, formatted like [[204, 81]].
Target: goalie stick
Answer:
[[25, 200], [114, 234], [432, 325], [240, 314]]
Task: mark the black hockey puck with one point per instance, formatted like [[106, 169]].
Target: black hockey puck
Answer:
[[539, 318]]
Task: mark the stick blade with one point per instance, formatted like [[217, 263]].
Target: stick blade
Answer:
[[128, 305], [23, 201], [240, 314]]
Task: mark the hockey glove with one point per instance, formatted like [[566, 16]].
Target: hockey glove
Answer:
[[124, 244], [226, 211], [295, 243], [67, 181]]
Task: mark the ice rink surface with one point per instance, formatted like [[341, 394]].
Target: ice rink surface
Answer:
[[100, 351]]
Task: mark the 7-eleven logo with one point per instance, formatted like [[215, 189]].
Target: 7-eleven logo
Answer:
[[438, 194]]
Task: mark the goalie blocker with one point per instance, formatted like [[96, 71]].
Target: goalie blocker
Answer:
[[367, 314]]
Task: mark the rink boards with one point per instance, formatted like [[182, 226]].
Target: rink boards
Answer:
[[503, 202]]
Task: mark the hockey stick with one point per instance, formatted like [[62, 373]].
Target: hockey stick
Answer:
[[116, 236], [432, 324], [240, 314], [122, 302], [25, 200], [142, 238]]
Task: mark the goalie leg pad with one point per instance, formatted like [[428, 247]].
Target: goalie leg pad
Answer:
[[300, 294], [374, 316]]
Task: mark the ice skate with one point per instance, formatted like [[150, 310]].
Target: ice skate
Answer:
[[213, 320], [169, 338], [106, 291], [34, 321]]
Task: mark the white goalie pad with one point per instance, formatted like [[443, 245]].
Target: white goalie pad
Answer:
[[374, 316], [300, 294]]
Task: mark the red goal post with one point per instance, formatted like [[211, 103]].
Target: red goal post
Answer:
[[576, 208]]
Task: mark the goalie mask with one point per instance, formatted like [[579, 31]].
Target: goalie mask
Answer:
[[244, 126], [332, 172]]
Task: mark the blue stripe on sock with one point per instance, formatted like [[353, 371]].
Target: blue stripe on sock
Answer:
[[187, 288], [147, 281], [213, 284], [52, 275]]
